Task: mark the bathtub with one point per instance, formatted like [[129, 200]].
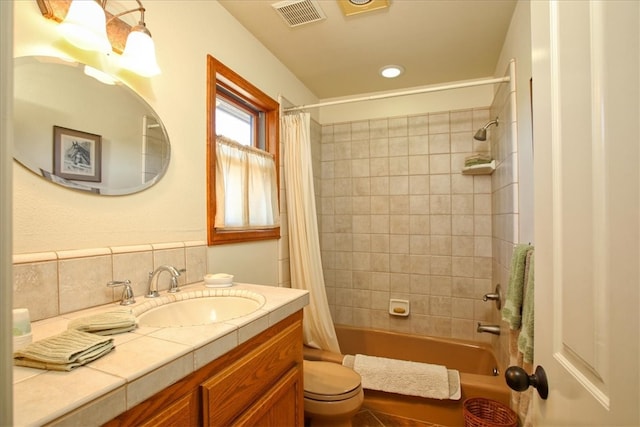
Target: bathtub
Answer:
[[475, 362]]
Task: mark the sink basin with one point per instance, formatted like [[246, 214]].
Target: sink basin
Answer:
[[201, 311]]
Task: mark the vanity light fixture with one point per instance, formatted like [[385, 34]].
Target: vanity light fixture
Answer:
[[391, 71], [85, 26], [139, 53], [88, 25]]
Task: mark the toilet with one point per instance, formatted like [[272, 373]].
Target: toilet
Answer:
[[332, 393]]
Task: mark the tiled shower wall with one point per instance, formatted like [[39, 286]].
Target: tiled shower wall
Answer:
[[54, 283], [399, 220]]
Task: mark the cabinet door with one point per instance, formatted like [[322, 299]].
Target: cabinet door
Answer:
[[281, 406], [228, 394], [184, 412]]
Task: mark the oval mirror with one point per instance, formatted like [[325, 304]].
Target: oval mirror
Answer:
[[82, 133]]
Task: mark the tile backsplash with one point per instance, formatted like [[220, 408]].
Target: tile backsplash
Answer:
[[53, 283]]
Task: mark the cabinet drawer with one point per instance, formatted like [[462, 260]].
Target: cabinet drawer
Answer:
[[235, 388]]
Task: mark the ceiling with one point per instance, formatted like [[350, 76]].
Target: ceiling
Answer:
[[436, 41]]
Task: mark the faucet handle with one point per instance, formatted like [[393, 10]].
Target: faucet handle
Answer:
[[151, 293], [174, 281], [495, 296], [174, 286], [127, 293]]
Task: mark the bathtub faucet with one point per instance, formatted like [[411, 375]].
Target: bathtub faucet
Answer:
[[492, 329]]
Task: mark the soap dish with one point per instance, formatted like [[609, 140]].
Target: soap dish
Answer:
[[218, 280], [399, 307]]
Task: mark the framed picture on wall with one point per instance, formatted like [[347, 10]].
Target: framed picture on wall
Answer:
[[77, 155]]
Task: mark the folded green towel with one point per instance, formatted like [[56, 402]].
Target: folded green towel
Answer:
[[109, 323], [477, 159], [64, 351], [525, 339], [512, 309]]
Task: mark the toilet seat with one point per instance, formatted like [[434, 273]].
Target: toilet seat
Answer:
[[330, 382]]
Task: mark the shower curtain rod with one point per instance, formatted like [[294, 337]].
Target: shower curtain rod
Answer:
[[402, 93]]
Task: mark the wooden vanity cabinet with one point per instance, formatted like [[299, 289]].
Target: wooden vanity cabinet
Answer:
[[257, 383]]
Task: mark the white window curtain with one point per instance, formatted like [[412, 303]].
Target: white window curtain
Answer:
[[304, 243], [246, 187]]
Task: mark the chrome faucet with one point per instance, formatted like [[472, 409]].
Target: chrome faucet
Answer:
[[492, 329], [175, 273]]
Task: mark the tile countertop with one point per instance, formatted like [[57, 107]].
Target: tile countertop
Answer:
[[144, 362]]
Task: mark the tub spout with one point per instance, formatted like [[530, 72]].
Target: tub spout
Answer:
[[492, 329]]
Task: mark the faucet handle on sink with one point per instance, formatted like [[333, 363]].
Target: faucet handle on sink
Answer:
[[127, 292], [174, 281]]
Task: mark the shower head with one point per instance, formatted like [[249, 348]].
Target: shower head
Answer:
[[481, 135]]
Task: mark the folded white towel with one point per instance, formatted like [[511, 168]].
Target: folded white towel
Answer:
[[405, 377]]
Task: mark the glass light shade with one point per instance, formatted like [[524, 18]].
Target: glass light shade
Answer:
[[139, 53], [85, 26]]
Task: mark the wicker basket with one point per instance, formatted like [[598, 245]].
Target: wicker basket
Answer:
[[481, 412]]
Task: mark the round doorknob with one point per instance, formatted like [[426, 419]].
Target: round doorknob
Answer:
[[518, 379]]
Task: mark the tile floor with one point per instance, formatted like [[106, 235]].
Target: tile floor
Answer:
[[368, 418]]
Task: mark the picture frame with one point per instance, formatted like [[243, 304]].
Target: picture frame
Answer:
[[77, 155]]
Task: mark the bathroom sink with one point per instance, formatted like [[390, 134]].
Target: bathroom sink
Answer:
[[201, 311]]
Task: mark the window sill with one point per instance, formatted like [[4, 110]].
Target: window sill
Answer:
[[217, 237]]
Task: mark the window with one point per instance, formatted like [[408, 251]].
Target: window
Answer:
[[242, 159]]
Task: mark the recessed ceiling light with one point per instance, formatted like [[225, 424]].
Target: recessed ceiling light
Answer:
[[391, 71]]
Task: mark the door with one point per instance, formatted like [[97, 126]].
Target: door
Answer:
[[586, 152]]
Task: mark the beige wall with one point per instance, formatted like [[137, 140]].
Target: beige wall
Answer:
[[50, 218]]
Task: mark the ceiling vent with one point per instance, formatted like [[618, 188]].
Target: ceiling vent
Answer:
[[299, 12]]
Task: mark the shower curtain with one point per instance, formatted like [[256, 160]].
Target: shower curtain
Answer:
[[304, 243]]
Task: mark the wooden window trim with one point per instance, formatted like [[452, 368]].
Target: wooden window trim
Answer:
[[219, 74]]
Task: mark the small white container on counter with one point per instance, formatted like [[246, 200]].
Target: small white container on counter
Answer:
[[21, 328], [218, 280]]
